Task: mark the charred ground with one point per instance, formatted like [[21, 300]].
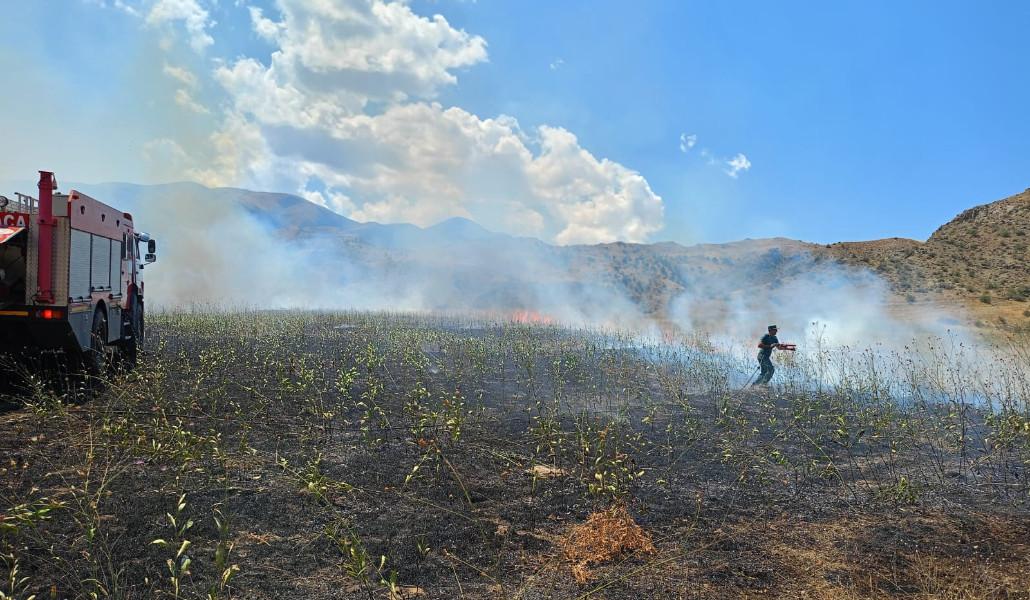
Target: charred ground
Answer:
[[365, 455]]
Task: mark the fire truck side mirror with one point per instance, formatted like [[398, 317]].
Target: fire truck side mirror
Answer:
[[149, 258], [152, 246]]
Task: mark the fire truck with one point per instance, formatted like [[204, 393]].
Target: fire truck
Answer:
[[70, 278]]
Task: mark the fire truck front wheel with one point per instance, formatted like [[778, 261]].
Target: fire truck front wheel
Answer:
[[139, 332], [133, 343], [101, 355]]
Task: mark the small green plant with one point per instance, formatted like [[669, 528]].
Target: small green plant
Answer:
[[604, 459], [179, 563], [15, 587], [312, 480], [223, 569], [361, 567], [903, 491], [25, 515]]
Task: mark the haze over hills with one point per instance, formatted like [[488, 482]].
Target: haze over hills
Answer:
[[286, 243]]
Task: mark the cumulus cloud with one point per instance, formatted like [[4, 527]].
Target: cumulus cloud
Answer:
[[180, 74], [305, 115], [194, 18], [183, 96], [381, 50], [737, 164], [422, 163], [687, 142], [184, 99], [266, 29], [345, 105]]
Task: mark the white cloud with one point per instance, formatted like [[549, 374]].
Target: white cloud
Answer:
[[333, 201], [195, 19], [181, 74], [377, 49], [557, 64], [116, 4], [183, 96], [301, 121], [687, 142], [185, 100], [422, 163], [267, 29], [126, 8], [163, 149], [737, 164], [275, 98]]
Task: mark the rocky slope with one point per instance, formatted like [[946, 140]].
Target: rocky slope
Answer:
[[980, 259]]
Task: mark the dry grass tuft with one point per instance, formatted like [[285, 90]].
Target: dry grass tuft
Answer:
[[604, 536], [546, 472]]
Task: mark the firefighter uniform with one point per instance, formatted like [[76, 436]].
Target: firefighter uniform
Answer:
[[769, 341]]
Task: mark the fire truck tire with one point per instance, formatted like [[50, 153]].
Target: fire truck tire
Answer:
[[100, 356], [139, 331], [131, 347]]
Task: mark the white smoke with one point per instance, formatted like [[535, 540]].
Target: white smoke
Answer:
[[812, 300], [242, 248]]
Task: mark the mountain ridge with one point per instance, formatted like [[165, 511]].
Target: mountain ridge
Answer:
[[980, 253]]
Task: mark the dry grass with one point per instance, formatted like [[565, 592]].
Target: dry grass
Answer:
[[546, 471], [604, 536], [859, 557]]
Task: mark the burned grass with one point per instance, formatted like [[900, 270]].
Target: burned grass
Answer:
[[352, 455]]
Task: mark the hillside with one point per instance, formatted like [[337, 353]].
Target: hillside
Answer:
[[979, 259], [977, 262]]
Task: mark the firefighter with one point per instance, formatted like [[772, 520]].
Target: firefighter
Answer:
[[766, 345]]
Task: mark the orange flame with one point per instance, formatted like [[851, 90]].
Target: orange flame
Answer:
[[531, 317]]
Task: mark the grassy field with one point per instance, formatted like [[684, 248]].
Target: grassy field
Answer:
[[358, 455]]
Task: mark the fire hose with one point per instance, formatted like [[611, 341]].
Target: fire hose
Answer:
[[750, 379]]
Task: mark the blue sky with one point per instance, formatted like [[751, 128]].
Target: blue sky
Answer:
[[859, 120]]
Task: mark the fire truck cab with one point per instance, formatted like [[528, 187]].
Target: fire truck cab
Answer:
[[70, 277]]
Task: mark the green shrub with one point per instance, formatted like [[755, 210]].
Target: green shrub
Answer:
[[1021, 294]]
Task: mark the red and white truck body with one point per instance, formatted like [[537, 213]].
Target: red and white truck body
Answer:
[[69, 273]]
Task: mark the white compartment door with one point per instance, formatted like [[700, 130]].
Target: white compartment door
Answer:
[[78, 278]]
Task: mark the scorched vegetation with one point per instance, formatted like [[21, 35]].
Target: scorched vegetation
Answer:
[[357, 455]]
